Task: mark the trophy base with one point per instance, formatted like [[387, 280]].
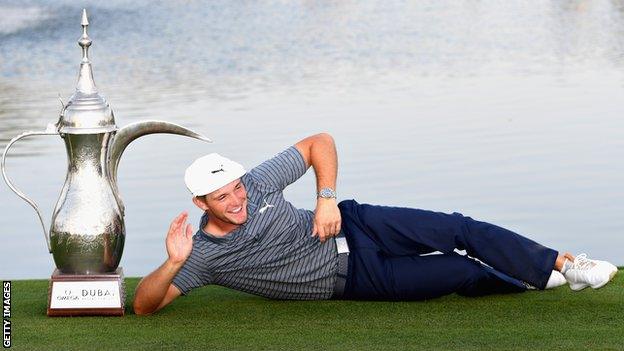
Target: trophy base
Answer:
[[86, 295]]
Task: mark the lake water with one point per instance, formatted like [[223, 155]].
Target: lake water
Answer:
[[507, 111]]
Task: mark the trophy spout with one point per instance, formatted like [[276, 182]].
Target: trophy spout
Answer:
[[127, 134]]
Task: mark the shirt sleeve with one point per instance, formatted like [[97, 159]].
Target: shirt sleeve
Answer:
[[192, 275], [281, 170]]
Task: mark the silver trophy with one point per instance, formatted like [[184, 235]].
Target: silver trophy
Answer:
[[87, 233]]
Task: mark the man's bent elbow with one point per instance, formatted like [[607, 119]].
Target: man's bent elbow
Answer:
[[140, 309], [325, 137], [141, 305]]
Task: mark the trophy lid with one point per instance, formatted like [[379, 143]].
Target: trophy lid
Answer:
[[87, 111]]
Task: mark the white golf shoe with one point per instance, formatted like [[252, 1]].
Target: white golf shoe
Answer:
[[585, 272]]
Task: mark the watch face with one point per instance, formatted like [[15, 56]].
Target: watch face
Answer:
[[327, 193]]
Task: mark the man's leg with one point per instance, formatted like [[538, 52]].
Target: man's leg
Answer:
[[408, 232], [374, 276]]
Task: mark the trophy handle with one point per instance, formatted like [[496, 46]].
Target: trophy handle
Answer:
[[51, 130]]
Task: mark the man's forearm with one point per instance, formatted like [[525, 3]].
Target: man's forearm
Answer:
[[324, 160], [152, 289], [319, 151]]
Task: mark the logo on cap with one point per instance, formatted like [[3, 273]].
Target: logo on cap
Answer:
[[218, 170]]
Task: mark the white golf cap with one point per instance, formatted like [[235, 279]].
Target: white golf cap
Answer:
[[211, 172]]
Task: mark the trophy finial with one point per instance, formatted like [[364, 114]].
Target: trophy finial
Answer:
[[85, 79], [84, 40], [85, 21], [86, 111]]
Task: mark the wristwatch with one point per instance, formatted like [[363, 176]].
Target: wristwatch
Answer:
[[327, 193]]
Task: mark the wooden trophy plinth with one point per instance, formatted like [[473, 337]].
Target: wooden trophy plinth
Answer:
[[86, 295]]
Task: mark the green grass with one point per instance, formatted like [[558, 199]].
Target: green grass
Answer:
[[215, 318]]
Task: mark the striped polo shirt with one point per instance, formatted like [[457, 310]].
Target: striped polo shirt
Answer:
[[273, 254]]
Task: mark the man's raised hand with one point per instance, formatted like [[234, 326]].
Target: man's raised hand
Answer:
[[179, 239]]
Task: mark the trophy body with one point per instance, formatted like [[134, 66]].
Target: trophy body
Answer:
[[87, 233]]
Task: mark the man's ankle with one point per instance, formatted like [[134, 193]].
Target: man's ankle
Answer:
[[567, 264]]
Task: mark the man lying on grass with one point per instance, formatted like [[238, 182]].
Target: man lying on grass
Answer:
[[251, 239]]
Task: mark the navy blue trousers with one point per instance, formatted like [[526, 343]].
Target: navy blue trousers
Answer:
[[387, 245]]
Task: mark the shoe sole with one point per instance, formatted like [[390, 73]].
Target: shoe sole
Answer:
[[579, 287], [611, 275]]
